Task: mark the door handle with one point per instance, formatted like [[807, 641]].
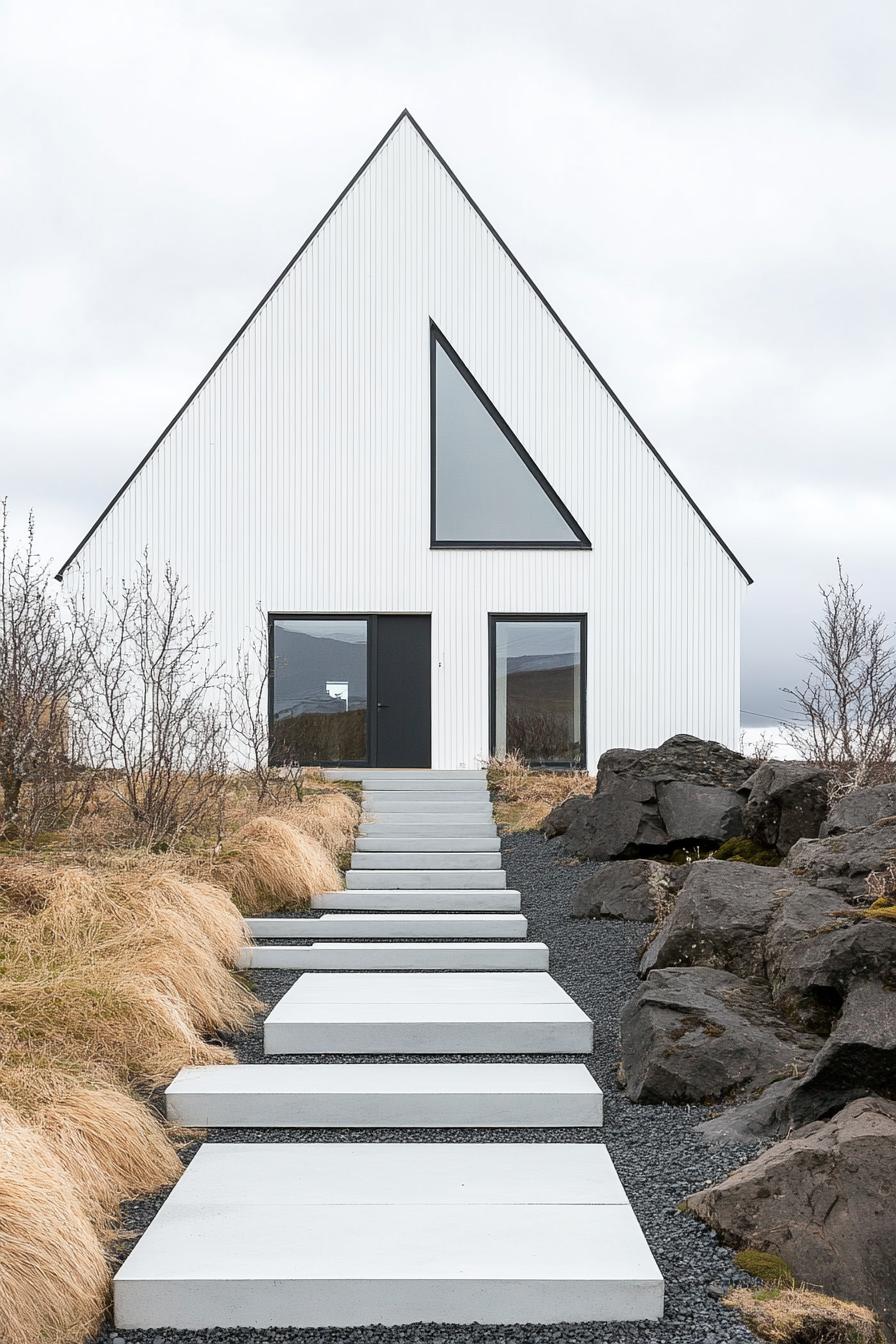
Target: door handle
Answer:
[[380, 706]]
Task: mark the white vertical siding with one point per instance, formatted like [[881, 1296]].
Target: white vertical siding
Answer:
[[298, 476]]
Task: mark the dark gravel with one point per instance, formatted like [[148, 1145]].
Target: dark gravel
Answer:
[[657, 1152]]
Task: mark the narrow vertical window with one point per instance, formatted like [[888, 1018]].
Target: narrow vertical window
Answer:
[[487, 490], [538, 689], [318, 691]]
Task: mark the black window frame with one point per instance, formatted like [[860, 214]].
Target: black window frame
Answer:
[[582, 543], [532, 618], [369, 619]]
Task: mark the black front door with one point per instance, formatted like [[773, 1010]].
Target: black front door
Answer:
[[403, 677]]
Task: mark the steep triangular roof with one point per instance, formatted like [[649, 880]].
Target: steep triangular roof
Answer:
[[405, 115]]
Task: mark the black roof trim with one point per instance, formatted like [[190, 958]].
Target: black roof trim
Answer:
[[402, 116]]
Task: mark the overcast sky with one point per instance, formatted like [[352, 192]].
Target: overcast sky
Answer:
[[705, 190]]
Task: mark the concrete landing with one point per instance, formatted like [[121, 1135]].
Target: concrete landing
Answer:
[[337, 1235], [391, 926], [410, 1013], [429, 1096], [385, 956]]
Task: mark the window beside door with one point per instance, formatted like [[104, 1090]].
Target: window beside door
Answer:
[[318, 691], [538, 688]]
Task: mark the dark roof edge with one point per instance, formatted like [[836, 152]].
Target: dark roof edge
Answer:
[[575, 344], [405, 114], [226, 351]]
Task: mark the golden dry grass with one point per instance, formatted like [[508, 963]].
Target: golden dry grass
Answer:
[[524, 797], [111, 1145], [270, 865], [122, 967], [328, 817], [799, 1316], [54, 1277]]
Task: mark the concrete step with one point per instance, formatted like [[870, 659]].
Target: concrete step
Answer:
[[427, 844], [429, 1013], [418, 901], [424, 879], [392, 926], [385, 956], [432, 826], [376, 774], [443, 860], [442, 787], [458, 987], [350, 1234], [420, 802], [381, 1095]]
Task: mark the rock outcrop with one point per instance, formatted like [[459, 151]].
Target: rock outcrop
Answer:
[[816, 948], [686, 792], [841, 863], [629, 889], [858, 1057], [720, 919], [860, 808], [788, 801], [824, 1200], [698, 1034]]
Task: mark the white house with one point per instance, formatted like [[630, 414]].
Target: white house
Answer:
[[464, 542]]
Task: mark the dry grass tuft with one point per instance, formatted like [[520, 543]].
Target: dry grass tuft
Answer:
[[270, 865], [330, 818], [122, 967], [110, 1143], [54, 1277], [524, 797], [798, 1316]]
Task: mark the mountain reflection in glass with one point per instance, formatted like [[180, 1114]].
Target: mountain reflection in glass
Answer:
[[319, 691], [538, 691]]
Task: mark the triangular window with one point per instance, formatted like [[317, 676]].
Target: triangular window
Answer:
[[487, 491]]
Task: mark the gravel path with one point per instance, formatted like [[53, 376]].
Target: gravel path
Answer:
[[658, 1156]]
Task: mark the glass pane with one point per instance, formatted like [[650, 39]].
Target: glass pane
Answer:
[[484, 490], [319, 691], [538, 691]]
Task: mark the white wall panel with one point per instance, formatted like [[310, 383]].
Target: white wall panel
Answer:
[[298, 476]]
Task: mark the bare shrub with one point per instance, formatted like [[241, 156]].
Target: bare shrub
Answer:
[[847, 703], [40, 671], [153, 706]]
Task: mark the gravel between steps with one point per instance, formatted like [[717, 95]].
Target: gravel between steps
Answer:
[[657, 1153]]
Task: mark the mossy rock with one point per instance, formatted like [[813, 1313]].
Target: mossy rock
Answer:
[[766, 1266], [741, 849]]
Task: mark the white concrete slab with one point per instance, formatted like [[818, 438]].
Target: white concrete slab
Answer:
[[425, 879], [425, 784], [477, 794], [420, 1096], [415, 774], [456, 804], [443, 860], [391, 926], [410, 956], [416, 900], [452, 988], [267, 1235], [427, 844], [432, 826], [428, 1029]]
